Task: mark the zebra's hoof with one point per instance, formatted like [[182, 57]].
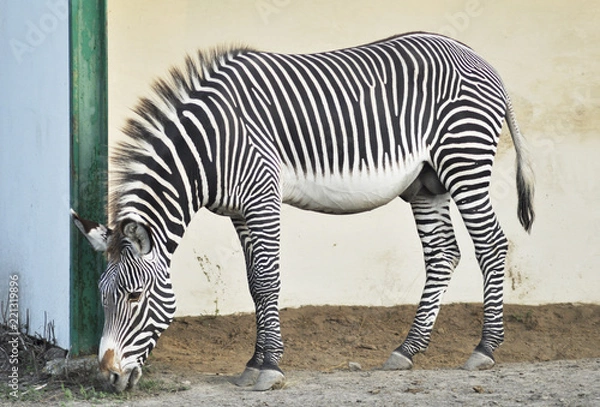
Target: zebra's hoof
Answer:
[[479, 361], [269, 379], [397, 361], [248, 378]]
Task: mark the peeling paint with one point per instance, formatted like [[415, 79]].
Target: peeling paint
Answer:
[[213, 274]]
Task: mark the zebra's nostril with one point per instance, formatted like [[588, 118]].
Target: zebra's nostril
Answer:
[[113, 378]]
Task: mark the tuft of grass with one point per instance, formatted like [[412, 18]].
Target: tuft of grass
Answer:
[[76, 382], [68, 394], [91, 394], [156, 386]]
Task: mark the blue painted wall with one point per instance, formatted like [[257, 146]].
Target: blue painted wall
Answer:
[[34, 160]]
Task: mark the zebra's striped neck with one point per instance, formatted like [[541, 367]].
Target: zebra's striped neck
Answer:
[[159, 174]]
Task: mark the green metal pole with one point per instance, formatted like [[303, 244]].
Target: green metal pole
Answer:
[[89, 151]]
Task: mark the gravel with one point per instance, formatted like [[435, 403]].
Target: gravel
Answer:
[[559, 383]]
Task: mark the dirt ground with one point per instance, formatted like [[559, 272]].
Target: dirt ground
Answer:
[[551, 357], [327, 338]]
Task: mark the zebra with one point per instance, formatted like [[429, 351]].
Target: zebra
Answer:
[[239, 132]]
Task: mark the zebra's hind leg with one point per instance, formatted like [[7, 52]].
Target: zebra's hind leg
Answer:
[[441, 254], [261, 252], [491, 247]]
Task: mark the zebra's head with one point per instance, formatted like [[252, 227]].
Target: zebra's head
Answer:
[[137, 298]]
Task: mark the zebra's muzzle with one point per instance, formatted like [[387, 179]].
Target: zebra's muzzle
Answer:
[[121, 380], [118, 379]]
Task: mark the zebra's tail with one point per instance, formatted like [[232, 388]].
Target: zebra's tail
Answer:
[[525, 177]]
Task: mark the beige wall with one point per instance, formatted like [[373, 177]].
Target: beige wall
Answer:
[[548, 54]]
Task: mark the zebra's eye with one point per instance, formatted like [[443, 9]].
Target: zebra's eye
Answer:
[[134, 296]]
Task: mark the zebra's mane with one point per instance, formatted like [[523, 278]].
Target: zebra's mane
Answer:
[[150, 115]]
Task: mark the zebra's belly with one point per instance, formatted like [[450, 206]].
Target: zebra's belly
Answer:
[[346, 193]]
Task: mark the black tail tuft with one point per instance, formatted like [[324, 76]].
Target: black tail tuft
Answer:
[[525, 177], [525, 205]]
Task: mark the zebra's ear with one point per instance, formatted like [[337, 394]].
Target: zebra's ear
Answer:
[[138, 235], [95, 233]]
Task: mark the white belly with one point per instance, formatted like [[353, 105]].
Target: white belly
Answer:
[[347, 193]]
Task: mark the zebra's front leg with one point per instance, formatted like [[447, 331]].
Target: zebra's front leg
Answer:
[[262, 370], [441, 254], [261, 249]]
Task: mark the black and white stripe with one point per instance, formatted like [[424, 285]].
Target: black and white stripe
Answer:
[[241, 131]]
